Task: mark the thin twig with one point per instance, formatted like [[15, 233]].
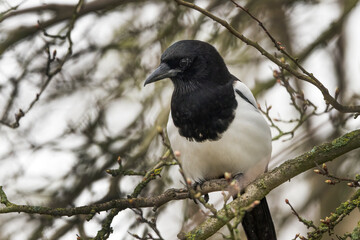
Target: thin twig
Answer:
[[323, 170], [305, 76], [50, 58]]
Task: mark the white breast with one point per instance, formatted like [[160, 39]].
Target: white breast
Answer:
[[244, 147]]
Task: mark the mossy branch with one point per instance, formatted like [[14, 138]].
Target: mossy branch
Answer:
[[268, 181], [255, 191], [329, 223]]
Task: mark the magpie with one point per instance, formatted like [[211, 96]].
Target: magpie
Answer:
[[215, 124]]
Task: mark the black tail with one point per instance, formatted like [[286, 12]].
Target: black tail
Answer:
[[258, 224]]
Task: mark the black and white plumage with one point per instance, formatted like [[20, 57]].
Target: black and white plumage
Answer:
[[214, 121]]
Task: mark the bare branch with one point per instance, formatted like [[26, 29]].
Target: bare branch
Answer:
[[50, 74], [255, 191], [63, 12], [305, 75], [268, 181]]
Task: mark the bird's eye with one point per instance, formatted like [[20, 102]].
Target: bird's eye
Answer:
[[184, 62]]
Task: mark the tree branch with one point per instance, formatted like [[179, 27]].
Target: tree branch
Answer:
[[255, 191], [268, 181], [121, 204], [50, 74], [324, 37], [62, 12], [305, 76]]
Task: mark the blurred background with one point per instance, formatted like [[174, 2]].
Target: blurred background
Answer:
[[85, 105]]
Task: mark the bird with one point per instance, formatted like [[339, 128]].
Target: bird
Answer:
[[215, 124]]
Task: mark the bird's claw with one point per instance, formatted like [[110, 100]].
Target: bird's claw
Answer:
[[198, 184]]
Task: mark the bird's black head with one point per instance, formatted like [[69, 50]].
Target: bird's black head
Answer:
[[203, 102], [191, 64]]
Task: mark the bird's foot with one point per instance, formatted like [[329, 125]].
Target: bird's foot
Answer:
[[238, 188], [198, 184], [238, 176]]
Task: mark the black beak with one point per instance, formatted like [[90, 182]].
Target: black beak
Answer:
[[163, 71]]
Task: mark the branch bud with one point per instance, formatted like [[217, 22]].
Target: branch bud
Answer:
[[328, 181], [188, 181], [177, 153], [325, 167], [227, 176], [276, 74], [197, 195], [159, 129], [337, 91], [255, 203]]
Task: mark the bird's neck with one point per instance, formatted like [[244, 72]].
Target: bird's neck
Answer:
[[203, 113]]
